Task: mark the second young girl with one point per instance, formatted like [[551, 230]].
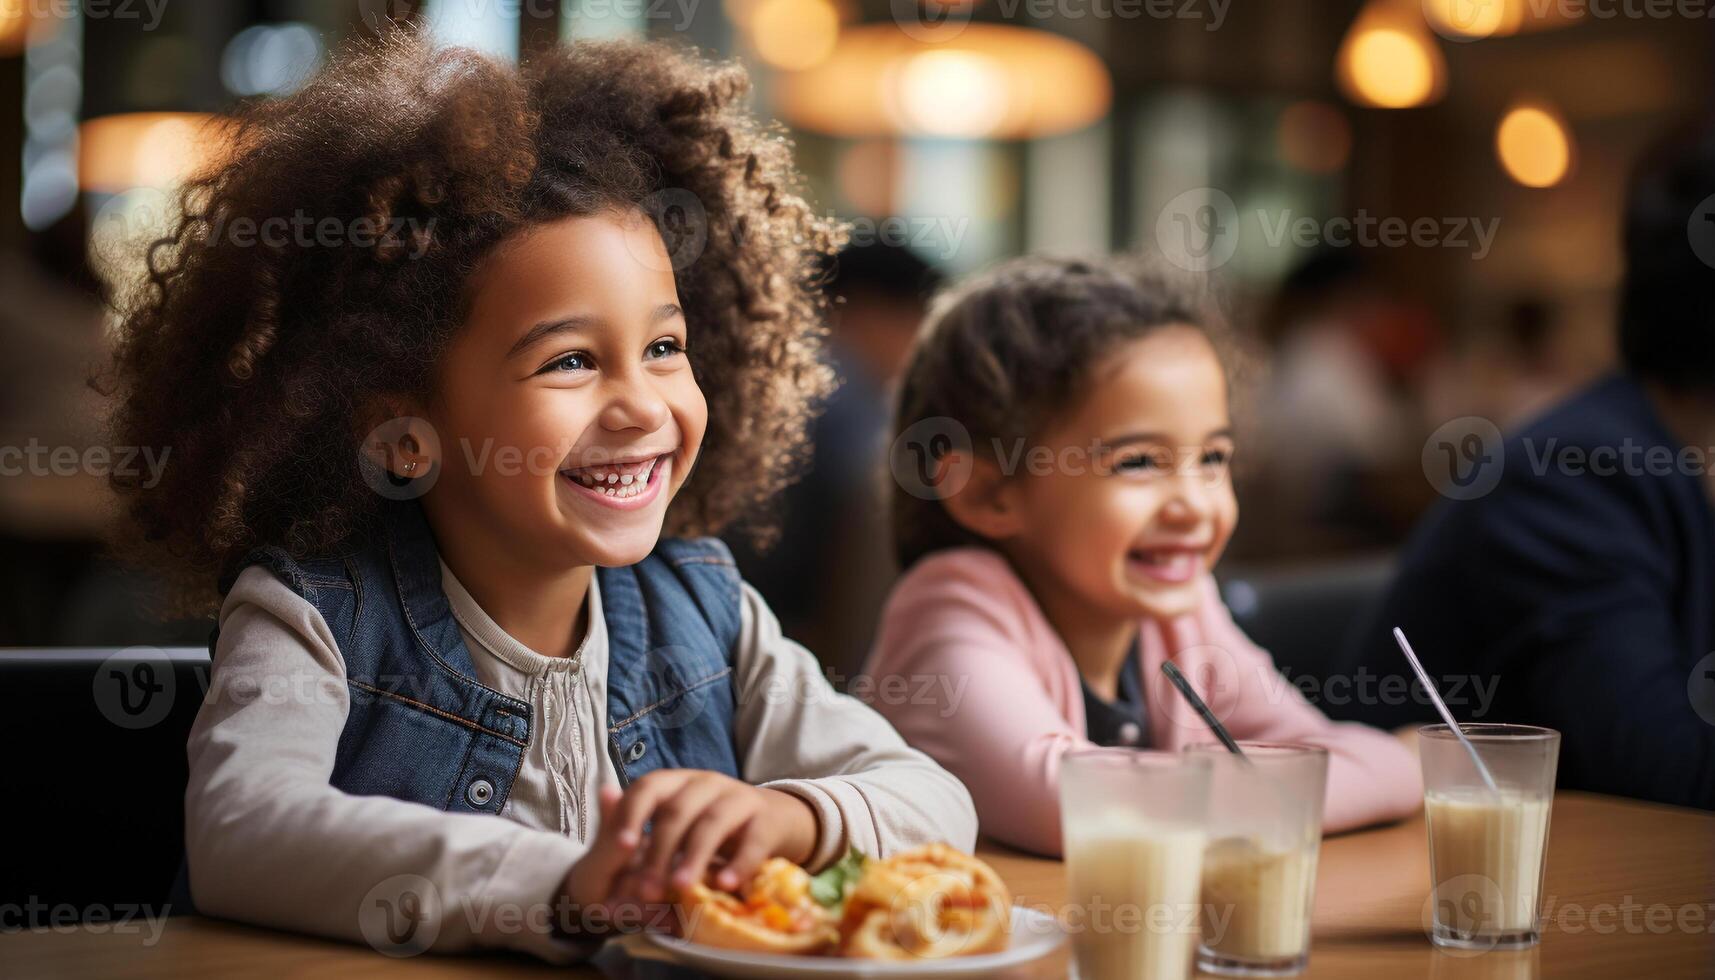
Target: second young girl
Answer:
[[1072, 428]]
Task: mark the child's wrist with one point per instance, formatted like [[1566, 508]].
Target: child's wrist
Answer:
[[803, 827]]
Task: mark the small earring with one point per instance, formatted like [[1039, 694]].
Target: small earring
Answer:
[[410, 467]]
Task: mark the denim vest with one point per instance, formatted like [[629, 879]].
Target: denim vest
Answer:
[[422, 728]]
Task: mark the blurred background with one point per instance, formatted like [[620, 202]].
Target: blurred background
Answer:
[[1412, 208]]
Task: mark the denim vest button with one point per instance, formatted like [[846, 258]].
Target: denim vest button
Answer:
[[480, 792], [636, 751]]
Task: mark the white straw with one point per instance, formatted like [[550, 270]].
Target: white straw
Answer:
[[1441, 706]]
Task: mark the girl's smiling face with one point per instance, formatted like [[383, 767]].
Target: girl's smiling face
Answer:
[[567, 414], [1137, 504]]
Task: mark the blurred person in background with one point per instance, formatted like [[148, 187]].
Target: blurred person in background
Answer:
[[1510, 370], [1337, 406], [828, 573], [1582, 586]]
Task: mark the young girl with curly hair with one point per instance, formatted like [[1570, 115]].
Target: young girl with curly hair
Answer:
[[1072, 425], [445, 455]]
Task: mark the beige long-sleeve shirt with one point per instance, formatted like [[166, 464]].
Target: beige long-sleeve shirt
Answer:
[[270, 841]]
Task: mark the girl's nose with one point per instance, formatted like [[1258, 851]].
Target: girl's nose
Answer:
[[633, 403], [1188, 502]]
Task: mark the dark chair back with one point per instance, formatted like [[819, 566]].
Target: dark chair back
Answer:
[[1307, 617], [98, 741]]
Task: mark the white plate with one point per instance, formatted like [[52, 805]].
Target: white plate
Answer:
[[1035, 934]]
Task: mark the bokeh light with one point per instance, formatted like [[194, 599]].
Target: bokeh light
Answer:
[[950, 93], [1390, 60], [794, 34], [270, 59], [1534, 146], [991, 81], [144, 149]]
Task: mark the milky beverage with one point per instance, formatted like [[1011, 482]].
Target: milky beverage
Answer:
[[1486, 851], [1256, 899], [1153, 872]]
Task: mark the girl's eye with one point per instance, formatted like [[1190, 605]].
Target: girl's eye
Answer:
[[665, 347], [568, 364], [1217, 458], [1141, 463]]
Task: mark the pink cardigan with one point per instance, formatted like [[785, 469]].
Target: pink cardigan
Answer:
[[970, 671]]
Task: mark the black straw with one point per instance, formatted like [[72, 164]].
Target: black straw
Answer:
[[1184, 687]]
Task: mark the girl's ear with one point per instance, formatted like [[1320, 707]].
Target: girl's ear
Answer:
[[399, 440], [985, 502]]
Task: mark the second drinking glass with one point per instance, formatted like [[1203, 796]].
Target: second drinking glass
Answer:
[[1259, 869]]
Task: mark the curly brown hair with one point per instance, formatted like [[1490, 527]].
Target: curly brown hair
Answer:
[[258, 365], [1005, 352]]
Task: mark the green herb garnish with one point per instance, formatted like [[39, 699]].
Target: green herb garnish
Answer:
[[831, 887]]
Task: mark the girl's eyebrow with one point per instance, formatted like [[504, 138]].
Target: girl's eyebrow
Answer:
[[550, 328], [1225, 432]]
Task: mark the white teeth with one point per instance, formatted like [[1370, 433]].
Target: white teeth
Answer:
[[614, 483]]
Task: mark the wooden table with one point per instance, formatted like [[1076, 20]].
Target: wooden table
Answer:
[[1630, 892]]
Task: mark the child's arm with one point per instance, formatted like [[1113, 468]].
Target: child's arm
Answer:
[[270, 841], [824, 774], [1372, 776], [957, 645], [798, 735]]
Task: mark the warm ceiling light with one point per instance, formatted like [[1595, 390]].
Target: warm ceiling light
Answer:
[[1471, 19], [793, 35], [1314, 137], [989, 81], [1534, 146], [949, 93], [144, 149], [1389, 60]]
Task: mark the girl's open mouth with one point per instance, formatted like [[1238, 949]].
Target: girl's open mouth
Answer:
[[626, 485], [1169, 565]]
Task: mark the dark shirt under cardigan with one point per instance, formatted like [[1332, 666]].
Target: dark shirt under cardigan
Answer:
[[1587, 599], [1123, 721]]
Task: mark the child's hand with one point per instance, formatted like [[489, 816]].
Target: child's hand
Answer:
[[591, 880], [696, 815]]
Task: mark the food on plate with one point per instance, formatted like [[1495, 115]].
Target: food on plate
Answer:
[[932, 902], [774, 914], [929, 903]]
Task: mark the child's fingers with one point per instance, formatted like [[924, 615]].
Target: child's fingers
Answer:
[[702, 842], [640, 802], [667, 834], [594, 874], [752, 850]]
